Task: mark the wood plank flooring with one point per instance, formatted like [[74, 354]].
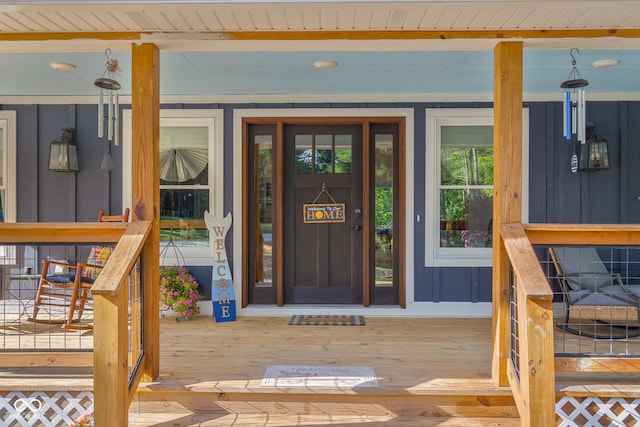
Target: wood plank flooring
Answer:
[[430, 372]]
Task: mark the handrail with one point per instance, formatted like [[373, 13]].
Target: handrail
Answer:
[[113, 386], [532, 374], [63, 232], [580, 234], [121, 261]]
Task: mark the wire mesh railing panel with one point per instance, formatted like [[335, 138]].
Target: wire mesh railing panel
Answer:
[[136, 301], [45, 298], [596, 299], [514, 348]]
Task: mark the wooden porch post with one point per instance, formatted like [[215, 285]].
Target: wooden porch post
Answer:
[[507, 184], [145, 124]]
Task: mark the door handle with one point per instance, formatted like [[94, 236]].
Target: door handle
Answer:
[[357, 227]]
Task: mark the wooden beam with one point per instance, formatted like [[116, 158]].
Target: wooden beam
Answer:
[[74, 359], [497, 34], [145, 106], [507, 183]]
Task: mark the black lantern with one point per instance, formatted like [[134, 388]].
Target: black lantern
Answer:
[[63, 153], [594, 153]]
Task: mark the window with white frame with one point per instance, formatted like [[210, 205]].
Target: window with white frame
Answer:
[[191, 182], [459, 186], [7, 179]]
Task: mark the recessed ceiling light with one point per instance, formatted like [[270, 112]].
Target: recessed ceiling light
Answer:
[[605, 63], [325, 65], [62, 66]]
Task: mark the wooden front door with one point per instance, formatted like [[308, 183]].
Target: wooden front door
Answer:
[[323, 260]]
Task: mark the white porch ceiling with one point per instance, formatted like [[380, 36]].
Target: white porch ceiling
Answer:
[[200, 54]]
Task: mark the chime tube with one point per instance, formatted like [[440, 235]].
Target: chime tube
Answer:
[[116, 117], [100, 114], [110, 119], [566, 115]]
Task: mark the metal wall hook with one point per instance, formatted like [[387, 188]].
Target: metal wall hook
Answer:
[[573, 59]]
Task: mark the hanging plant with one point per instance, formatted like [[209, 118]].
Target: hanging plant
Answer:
[[179, 292]]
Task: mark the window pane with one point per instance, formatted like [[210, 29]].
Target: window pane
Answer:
[[264, 210], [466, 136], [2, 160], [304, 153], [466, 166], [324, 154], [181, 214], [466, 218], [343, 154], [383, 158], [184, 155]]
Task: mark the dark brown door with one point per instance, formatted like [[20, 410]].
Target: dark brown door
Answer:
[[323, 261]]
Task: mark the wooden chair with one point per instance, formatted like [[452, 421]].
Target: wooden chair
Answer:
[[67, 287], [592, 295]]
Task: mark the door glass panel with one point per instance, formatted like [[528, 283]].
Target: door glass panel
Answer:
[[343, 154], [304, 153], [324, 154], [1, 157], [264, 210], [383, 206]]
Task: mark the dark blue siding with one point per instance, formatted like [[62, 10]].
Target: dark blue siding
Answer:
[[556, 195]]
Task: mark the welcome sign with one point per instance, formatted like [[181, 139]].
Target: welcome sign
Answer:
[[318, 213], [222, 292]]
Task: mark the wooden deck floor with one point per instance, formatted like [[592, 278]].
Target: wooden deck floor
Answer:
[[429, 371]]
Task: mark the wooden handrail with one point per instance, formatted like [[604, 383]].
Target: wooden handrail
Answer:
[[533, 380], [61, 232], [580, 234], [527, 268], [113, 388], [121, 261]]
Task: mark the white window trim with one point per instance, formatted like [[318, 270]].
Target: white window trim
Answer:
[[9, 169], [435, 256], [8, 124], [193, 256]]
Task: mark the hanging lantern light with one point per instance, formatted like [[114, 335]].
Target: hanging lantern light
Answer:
[[574, 111], [109, 87], [594, 154], [63, 153]]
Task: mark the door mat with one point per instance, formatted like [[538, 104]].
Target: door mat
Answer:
[[320, 376], [327, 320]]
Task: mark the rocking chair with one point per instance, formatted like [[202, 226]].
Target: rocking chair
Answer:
[[67, 286], [593, 296]]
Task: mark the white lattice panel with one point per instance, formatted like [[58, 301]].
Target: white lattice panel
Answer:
[[596, 412], [39, 408]]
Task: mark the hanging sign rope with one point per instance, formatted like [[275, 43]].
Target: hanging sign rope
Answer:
[[320, 213]]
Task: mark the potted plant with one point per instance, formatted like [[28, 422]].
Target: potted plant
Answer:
[[179, 292], [85, 421]]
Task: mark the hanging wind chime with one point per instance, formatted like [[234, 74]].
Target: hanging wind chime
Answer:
[[574, 119], [109, 116]]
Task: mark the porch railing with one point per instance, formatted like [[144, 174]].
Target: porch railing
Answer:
[[123, 321], [534, 360]]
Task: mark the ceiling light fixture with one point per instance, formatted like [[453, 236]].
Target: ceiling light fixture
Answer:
[[325, 65], [62, 66], [605, 63]]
